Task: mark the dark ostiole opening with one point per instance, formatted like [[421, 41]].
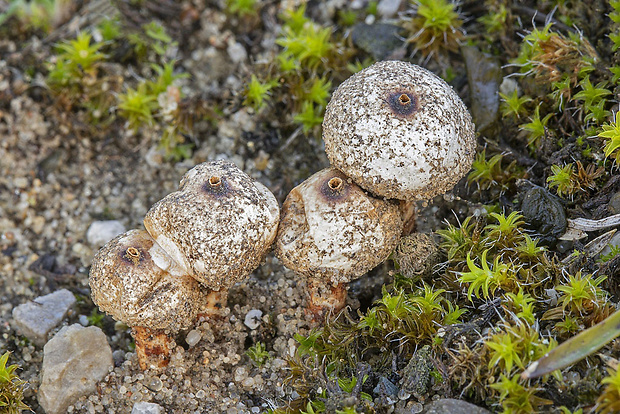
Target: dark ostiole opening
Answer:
[[334, 188], [133, 252], [402, 103], [132, 255], [215, 181], [217, 186], [335, 183]]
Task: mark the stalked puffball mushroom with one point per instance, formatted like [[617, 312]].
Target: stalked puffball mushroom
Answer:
[[331, 231], [199, 241], [127, 283], [399, 131]]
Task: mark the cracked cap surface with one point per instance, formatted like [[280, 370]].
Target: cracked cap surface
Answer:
[[331, 229], [219, 224], [126, 283]]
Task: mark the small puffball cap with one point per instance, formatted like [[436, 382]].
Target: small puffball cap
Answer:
[[333, 230], [399, 131], [218, 226], [126, 283]]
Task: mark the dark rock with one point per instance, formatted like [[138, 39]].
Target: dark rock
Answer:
[[380, 40], [484, 75], [416, 376], [386, 392], [544, 212], [614, 203]]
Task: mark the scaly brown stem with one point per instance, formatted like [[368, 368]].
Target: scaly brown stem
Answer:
[[215, 302], [153, 347], [407, 211], [325, 298]]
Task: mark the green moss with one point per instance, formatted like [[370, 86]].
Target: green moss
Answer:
[[11, 388], [299, 82], [513, 105], [561, 179], [257, 93], [258, 354], [611, 133], [436, 27], [242, 7], [536, 128]]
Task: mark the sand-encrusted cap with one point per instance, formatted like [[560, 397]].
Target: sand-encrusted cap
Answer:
[[126, 283], [399, 131], [332, 229], [218, 226]]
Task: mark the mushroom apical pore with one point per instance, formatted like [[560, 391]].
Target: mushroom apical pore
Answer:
[[218, 226], [399, 131], [331, 232]]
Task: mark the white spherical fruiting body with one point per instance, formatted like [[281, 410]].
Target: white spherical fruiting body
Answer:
[[399, 131], [218, 226], [331, 232]]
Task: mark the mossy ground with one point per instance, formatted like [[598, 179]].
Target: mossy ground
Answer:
[[104, 105]]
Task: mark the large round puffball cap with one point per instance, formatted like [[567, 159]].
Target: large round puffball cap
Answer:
[[218, 226], [399, 131], [127, 283], [334, 231]]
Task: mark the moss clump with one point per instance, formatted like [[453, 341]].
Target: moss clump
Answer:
[[11, 388], [298, 82]]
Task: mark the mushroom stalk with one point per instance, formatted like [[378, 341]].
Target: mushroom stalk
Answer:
[[153, 347], [215, 302], [408, 214], [323, 299]]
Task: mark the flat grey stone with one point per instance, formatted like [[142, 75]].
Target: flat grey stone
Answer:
[[452, 406], [37, 318], [101, 232], [147, 408], [74, 360], [253, 318]]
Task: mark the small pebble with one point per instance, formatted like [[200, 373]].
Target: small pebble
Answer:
[[147, 408], [101, 232], [236, 52], [240, 374], [74, 360], [37, 318], [388, 8], [193, 337], [253, 318], [154, 384], [83, 319]]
